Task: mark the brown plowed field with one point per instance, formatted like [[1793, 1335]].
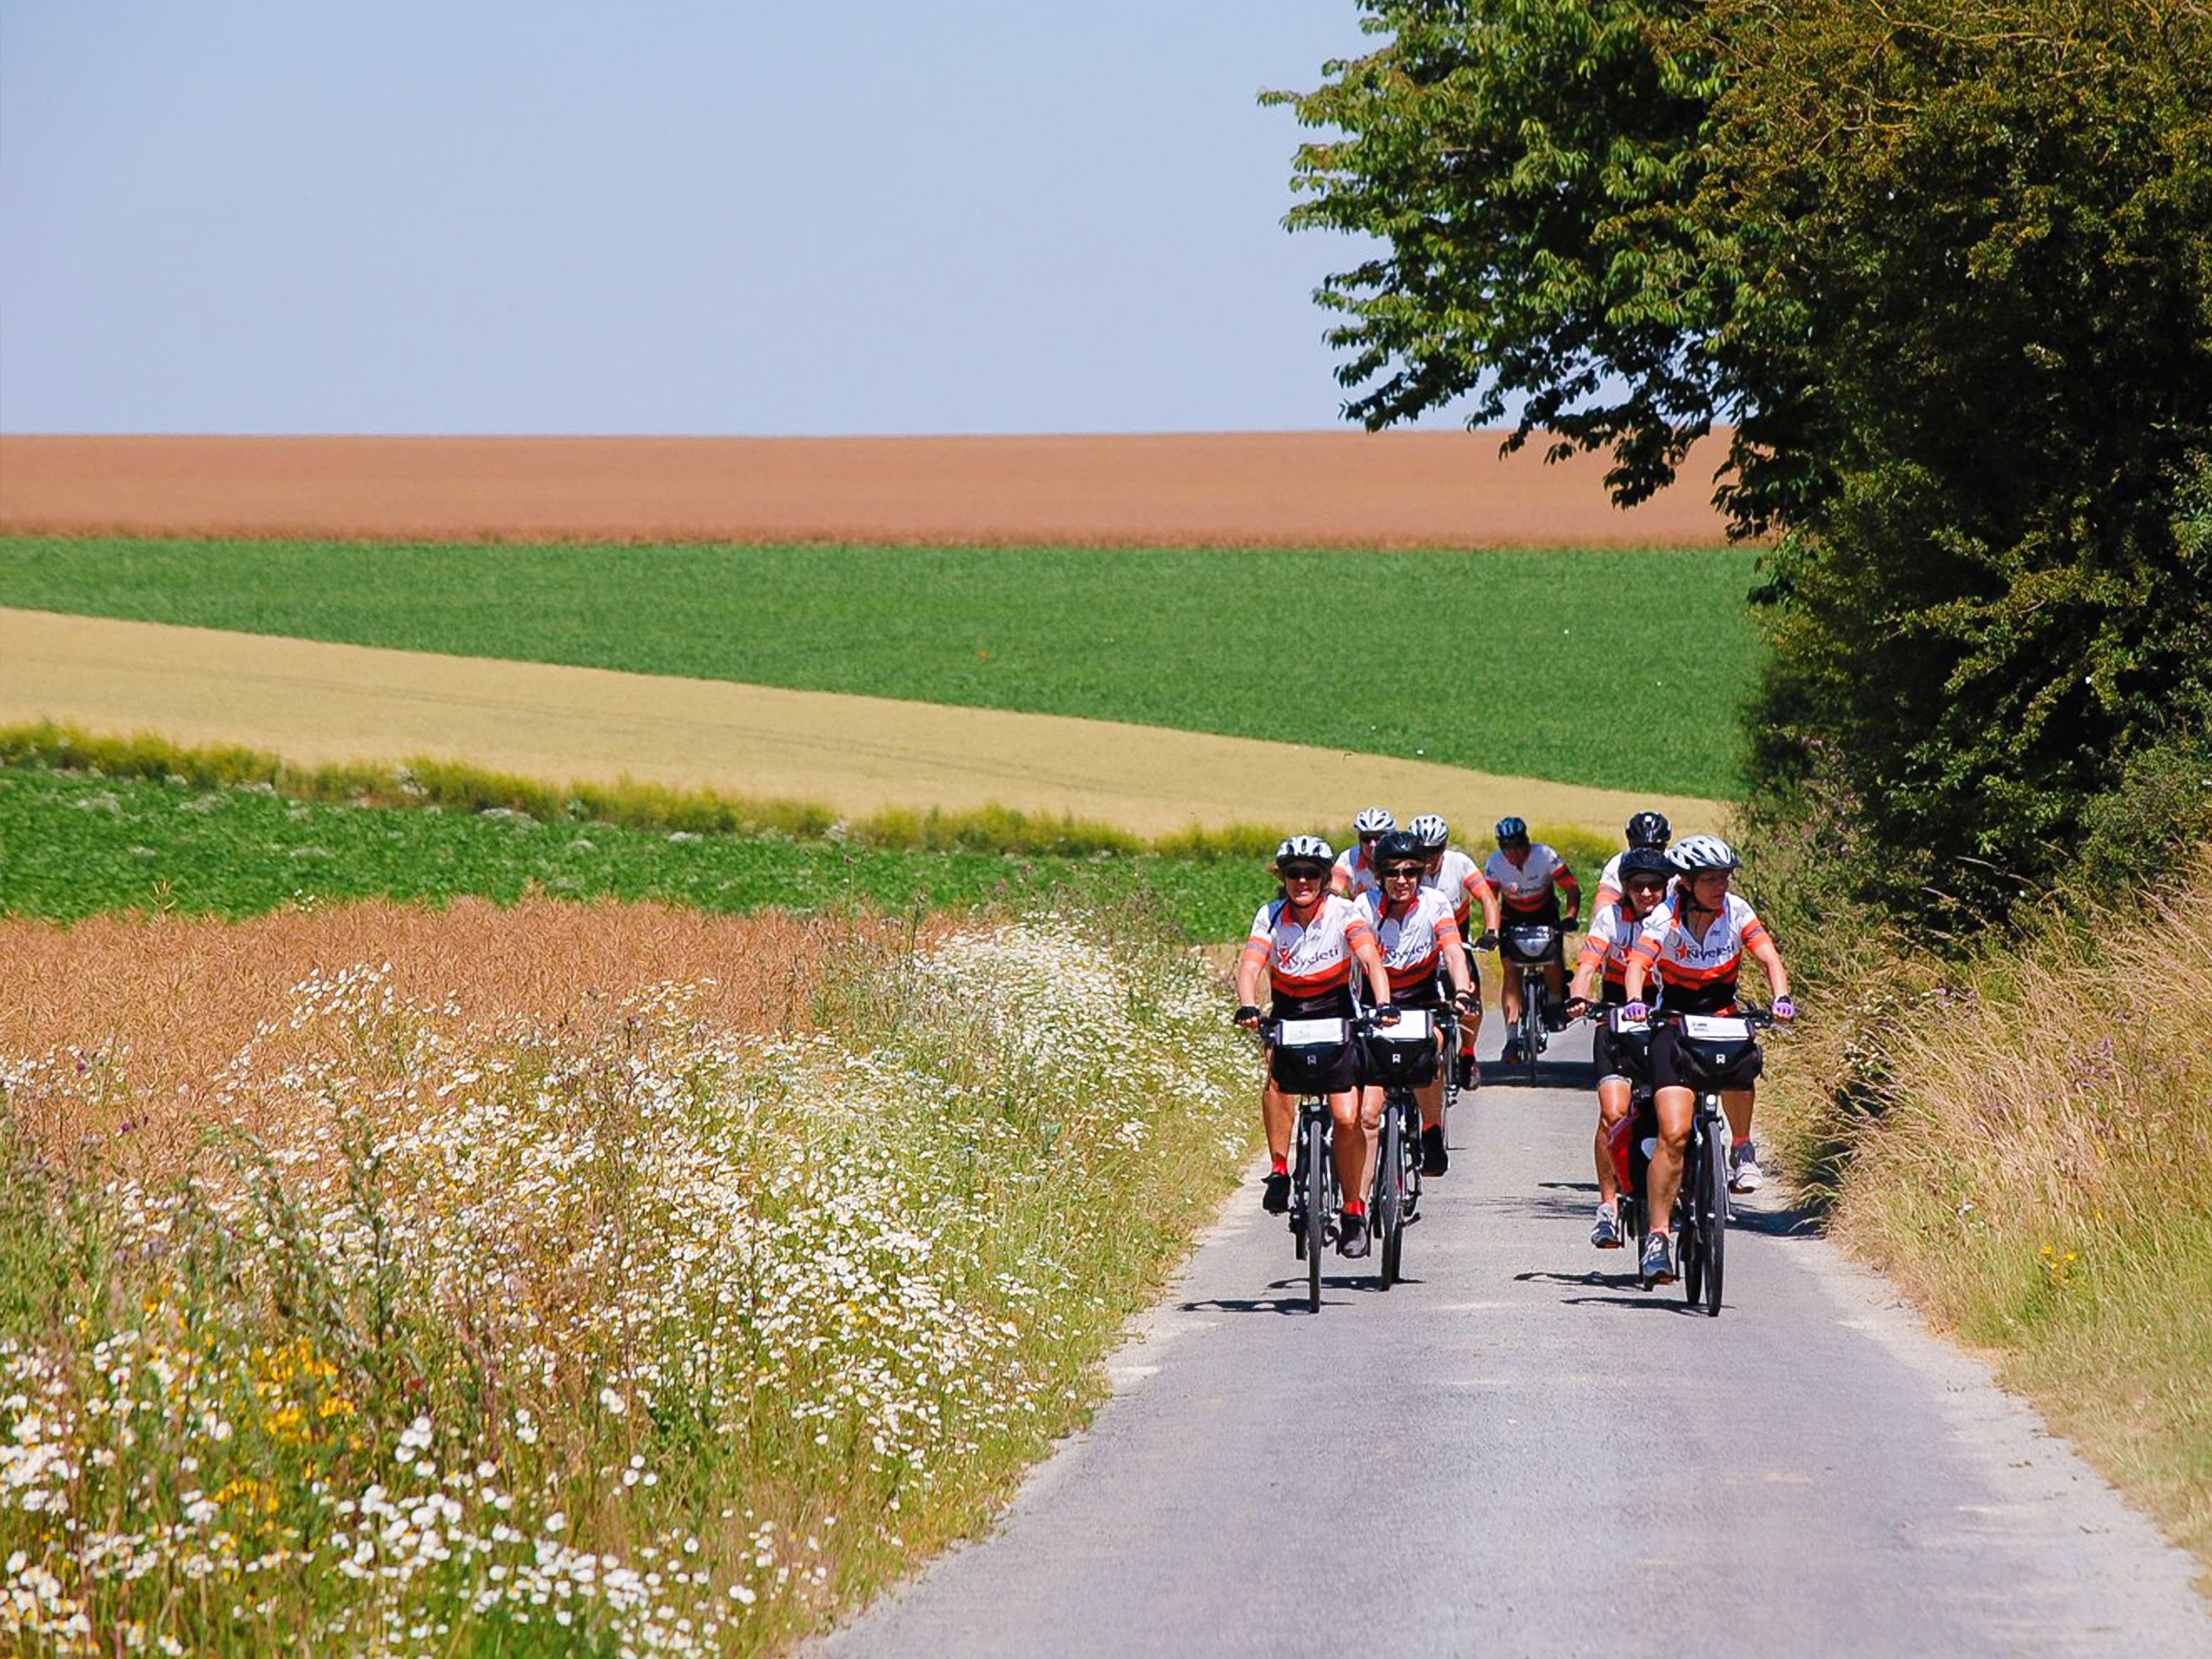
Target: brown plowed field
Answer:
[[1338, 489]]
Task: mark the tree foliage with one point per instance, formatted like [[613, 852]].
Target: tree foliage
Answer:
[[1945, 266]]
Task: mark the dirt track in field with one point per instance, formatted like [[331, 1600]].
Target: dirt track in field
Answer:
[[1348, 489], [316, 703]]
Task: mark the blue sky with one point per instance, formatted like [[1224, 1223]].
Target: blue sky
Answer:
[[669, 216]]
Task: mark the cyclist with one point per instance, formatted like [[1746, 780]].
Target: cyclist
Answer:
[[1694, 943], [1415, 931], [1601, 971], [1648, 829], [1309, 940], [1455, 874], [1529, 877], [1354, 874]]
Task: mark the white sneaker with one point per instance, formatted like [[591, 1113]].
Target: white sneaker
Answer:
[[1743, 1174]]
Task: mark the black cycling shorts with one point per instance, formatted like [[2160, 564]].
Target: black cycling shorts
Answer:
[[1622, 1055]]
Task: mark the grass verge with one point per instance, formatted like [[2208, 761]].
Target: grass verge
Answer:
[[2023, 1143], [1478, 646], [469, 1305]]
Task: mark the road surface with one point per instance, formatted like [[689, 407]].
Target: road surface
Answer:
[[1520, 1452]]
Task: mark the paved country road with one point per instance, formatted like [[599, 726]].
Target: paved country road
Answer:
[[1520, 1452]]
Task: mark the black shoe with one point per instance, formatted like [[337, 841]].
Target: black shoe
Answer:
[[1351, 1239], [1465, 1073], [1276, 1198], [1512, 1054], [1435, 1160]]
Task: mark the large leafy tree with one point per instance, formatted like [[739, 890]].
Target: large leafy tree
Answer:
[[1944, 266]]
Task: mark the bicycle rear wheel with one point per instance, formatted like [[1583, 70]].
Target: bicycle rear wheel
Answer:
[[1316, 1149], [1388, 1207]]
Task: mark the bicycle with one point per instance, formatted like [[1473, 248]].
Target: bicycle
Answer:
[[1524, 948], [1711, 1045], [1303, 1053], [1404, 1057]]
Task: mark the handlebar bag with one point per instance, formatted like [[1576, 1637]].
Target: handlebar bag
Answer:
[[1405, 1052], [1528, 942], [1309, 1056], [1717, 1049]]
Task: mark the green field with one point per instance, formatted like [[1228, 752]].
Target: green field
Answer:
[[73, 844], [1622, 670]]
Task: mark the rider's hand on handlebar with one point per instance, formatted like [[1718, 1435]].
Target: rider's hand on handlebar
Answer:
[[1636, 1012], [1576, 1007], [1386, 1014], [1488, 941], [1247, 1016], [1784, 1009], [1464, 999]]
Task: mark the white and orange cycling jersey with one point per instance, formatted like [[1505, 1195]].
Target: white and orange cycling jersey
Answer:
[[1526, 889], [1698, 976], [1353, 875], [1461, 883], [1412, 941], [1612, 938], [1310, 960]]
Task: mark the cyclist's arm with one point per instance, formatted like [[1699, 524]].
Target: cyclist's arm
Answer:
[[1573, 889], [1777, 977], [1585, 969], [1249, 968], [1486, 896], [1370, 956], [1455, 957]]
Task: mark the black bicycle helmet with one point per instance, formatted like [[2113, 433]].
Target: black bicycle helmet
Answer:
[[1511, 832], [1644, 860], [1648, 829], [1400, 847]]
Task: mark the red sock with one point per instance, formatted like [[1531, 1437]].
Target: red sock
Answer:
[[1355, 1207], [1282, 1166]]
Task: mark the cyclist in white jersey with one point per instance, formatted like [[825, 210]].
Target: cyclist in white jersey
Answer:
[[1309, 941], [1530, 877], [1457, 876], [1621, 1062], [1695, 944], [1414, 930], [1354, 874], [1648, 829]]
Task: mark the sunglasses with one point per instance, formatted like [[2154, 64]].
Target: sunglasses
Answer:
[[1304, 873], [1646, 884], [1404, 873]]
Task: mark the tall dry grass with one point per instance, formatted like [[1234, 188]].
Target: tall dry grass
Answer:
[[567, 1279], [2024, 1143]]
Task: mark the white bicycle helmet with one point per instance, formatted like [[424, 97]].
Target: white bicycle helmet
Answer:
[[1433, 832], [1376, 821], [1299, 849], [1702, 853]]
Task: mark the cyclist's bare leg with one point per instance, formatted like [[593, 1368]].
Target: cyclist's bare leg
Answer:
[[1351, 1140], [1613, 1096], [1736, 1103], [1676, 1107], [1509, 997], [1431, 1097], [1279, 1114], [1556, 981]]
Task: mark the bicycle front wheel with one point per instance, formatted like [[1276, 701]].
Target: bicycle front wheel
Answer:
[[1316, 1206], [1716, 1208], [1532, 1019], [1388, 1208]]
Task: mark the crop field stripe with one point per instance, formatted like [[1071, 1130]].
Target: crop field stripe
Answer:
[[316, 704], [1621, 670], [72, 846]]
